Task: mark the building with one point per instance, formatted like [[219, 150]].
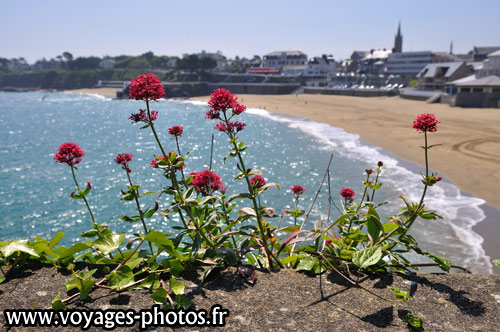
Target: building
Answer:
[[482, 92], [411, 63], [107, 63], [374, 62], [434, 76], [398, 41], [324, 65], [491, 66], [481, 53], [281, 59], [217, 56]]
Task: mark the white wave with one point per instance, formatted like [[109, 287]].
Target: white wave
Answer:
[[460, 212]]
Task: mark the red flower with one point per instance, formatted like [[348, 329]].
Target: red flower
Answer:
[[347, 194], [231, 126], [222, 100], [175, 131], [425, 122], [154, 163], [212, 115], [146, 87], [257, 181], [238, 109], [438, 178], [380, 164], [69, 153], [124, 159], [369, 171], [206, 182], [142, 116], [297, 190]]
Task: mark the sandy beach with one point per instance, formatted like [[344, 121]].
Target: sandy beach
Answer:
[[469, 155], [107, 92]]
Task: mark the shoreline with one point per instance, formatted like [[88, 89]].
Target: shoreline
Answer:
[[395, 135]]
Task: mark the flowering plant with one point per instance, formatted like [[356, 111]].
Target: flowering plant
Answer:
[[219, 230]]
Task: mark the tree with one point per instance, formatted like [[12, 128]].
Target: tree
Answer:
[[67, 56], [91, 62]]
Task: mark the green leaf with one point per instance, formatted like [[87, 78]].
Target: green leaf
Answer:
[[2, 279], [367, 257], [55, 240], [18, 246], [57, 304], [73, 283], [443, 263], [121, 277], [90, 233], [85, 287], [152, 281], [496, 262], [413, 320], [373, 224], [400, 294], [176, 286], [228, 254], [290, 259], [159, 296], [306, 263], [109, 243], [77, 247], [183, 302]]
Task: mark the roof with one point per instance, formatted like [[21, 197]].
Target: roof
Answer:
[[447, 68], [486, 49], [377, 54], [464, 79], [497, 53], [288, 53], [492, 80]]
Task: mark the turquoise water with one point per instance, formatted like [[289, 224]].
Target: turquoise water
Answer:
[[34, 192]]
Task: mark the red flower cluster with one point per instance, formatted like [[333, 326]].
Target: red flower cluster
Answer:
[[175, 131], [123, 159], [347, 194], [297, 190], [238, 109], [426, 122], [231, 126], [206, 182], [369, 171], [222, 100], [154, 164], [146, 87], [69, 153], [257, 181], [142, 116]]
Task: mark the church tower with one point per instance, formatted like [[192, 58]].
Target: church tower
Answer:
[[398, 41]]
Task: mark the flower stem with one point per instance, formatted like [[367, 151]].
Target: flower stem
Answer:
[[139, 209], [84, 199]]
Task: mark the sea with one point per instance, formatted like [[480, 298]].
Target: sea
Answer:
[[35, 190]]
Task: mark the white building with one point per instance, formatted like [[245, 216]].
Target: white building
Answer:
[[321, 66], [107, 63], [411, 63], [491, 66], [285, 58]]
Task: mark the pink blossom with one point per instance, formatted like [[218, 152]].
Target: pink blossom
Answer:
[[123, 159], [297, 190], [230, 126], [426, 122], [206, 182], [142, 116], [238, 109], [222, 100], [146, 87], [175, 131], [347, 194], [69, 153], [257, 181]]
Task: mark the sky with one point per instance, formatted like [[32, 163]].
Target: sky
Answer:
[[34, 29]]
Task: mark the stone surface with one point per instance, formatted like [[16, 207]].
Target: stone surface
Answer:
[[290, 301]]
